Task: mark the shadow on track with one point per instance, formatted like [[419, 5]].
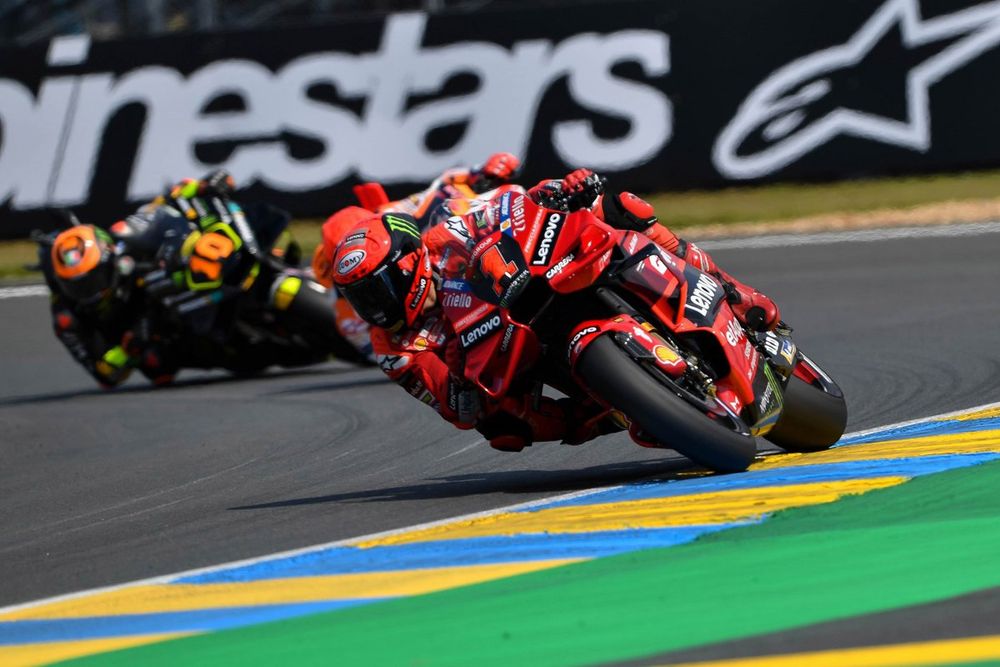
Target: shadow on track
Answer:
[[200, 381], [345, 383], [510, 482]]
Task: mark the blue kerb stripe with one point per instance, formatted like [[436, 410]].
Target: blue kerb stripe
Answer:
[[830, 472], [503, 549], [949, 427], [68, 629], [451, 553]]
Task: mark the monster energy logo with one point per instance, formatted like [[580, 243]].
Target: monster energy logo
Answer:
[[402, 225]]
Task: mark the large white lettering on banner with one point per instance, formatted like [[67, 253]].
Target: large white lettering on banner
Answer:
[[51, 140]]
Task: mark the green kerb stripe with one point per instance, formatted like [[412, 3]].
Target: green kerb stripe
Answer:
[[789, 571]]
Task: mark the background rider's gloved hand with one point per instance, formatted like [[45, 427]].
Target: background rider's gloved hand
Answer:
[[189, 195], [113, 367], [500, 168]]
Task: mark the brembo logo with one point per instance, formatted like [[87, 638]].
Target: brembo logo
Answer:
[[480, 330], [550, 234], [51, 139], [800, 107]]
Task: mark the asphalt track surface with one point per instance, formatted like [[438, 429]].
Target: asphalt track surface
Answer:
[[106, 487]]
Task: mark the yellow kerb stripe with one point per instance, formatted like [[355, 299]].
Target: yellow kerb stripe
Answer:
[[156, 598], [981, 414], [40, 654], [688, 510], [935, 445], [946, 652]]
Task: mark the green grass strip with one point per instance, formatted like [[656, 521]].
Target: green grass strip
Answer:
[[758, 203], [929, 539]]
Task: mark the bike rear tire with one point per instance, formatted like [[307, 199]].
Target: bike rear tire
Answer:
[[313, 309], [620, 381]]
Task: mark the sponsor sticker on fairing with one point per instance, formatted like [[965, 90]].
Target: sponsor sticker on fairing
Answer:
[[456, 286], [771, 344], [513, 289], [480, 330], [457, 300], [788, 350], [560, 265], [507, 335], [549, 237], [701, 298], [734, 332], [665, 355]]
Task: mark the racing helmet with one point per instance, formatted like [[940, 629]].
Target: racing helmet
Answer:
[[83, 260], [383, 268]]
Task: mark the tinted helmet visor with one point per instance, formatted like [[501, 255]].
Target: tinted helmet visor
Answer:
[[377, 298]]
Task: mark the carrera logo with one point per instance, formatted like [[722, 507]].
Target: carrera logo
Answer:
[[480, 330], [558, 268], [507, 335], [349, 261], [799, 108], [550, 235]]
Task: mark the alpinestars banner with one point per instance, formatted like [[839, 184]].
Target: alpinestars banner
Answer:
[[691, 93]]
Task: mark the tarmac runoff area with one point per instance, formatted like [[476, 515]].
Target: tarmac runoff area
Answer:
[[890, 519]]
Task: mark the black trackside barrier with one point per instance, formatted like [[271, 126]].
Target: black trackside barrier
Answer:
[[654, 95]]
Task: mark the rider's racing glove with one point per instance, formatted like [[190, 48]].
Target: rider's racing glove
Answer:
[[581, 187], [500, 168]]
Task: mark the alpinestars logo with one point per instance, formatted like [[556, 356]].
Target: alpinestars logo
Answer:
[[799, 107]]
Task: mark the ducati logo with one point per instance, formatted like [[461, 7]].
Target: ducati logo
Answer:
[[801, 107]]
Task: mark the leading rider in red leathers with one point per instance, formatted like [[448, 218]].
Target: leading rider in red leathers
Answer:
[[390, 274]]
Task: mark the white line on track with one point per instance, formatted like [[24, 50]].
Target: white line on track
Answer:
[[748, 243], [23, 290], [421, 526], [854, 236]]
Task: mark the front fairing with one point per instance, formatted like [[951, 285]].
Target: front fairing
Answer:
[[495, 347]]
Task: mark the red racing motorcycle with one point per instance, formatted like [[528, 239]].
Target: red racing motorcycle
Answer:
[[609, 318]]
